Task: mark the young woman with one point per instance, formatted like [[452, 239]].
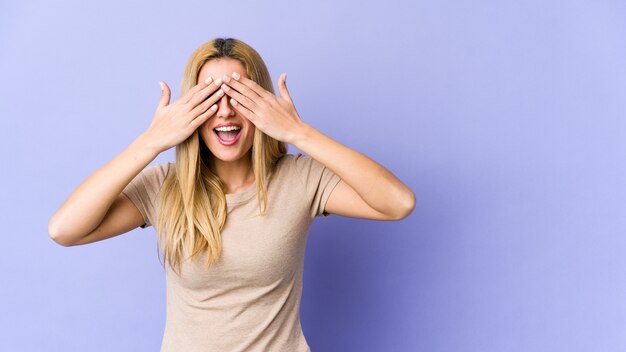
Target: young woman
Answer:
[[233, 197]]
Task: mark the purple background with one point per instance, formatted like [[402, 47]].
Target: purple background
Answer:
[[506, 119]]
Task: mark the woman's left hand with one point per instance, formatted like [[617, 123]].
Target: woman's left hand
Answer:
[[274, 115]]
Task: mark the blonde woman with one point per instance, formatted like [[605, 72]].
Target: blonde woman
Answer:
[[233, 212]]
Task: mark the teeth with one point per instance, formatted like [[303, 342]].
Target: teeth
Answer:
[[228, 128]]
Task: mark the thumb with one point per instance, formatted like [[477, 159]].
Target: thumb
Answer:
[[282, 87], [165, 94]]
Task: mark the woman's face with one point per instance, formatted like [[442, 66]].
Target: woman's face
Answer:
[[226, 143]]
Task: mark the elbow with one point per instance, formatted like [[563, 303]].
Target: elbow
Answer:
[[405, 206], [56, 235]]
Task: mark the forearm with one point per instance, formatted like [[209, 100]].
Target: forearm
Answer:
[[87, 205], [376, 185]]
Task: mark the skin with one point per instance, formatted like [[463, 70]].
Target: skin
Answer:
[[366, 190], [233, 164], [97, 209]]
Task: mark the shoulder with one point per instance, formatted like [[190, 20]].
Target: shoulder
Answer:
[[302, 167], [294, 165], [295, 161], [165, 168], [162, 169], [157, 173]]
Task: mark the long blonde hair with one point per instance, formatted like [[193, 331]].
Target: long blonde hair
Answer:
[[192, 205]]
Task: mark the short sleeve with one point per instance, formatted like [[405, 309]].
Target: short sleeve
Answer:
[[319, 182], [144, 190]]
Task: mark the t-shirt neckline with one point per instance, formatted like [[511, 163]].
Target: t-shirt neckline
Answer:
[[236, 198], [242, 196], [248, 193]]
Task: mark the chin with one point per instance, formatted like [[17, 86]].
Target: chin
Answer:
[[229, 156]]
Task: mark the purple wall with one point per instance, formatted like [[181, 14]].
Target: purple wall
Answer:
[[506, 119]]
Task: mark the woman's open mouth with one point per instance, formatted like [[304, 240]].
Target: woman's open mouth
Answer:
[[227, 135]]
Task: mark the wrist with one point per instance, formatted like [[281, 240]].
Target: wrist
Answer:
[[146, 146], [302, 135]]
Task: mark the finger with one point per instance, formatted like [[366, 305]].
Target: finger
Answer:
[[191, 92], [242, 88], [202, 94], [240, 98], [203, 106], [262, 92], [247, 113], [202, 118], [165, 94], [282, 87]]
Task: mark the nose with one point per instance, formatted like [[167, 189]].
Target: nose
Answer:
[[224, 109]]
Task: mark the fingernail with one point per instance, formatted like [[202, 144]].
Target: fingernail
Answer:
[[219, 92], [161, 85], [236, 75], [226, 78], [218, 82], [234, 102], [285, 77], [208, 80], [225, 87], [213, 107]]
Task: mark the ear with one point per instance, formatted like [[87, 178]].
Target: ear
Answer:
[[282, 87]]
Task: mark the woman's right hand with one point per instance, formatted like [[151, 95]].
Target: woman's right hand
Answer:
[[173, 123]]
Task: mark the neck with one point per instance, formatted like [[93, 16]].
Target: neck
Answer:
[[237, 175]]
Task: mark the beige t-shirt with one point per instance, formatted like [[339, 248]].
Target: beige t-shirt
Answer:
[[250, 299]]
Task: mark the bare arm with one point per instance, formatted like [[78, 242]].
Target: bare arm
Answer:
[[97, 209], [88, 204], [367, 189]]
